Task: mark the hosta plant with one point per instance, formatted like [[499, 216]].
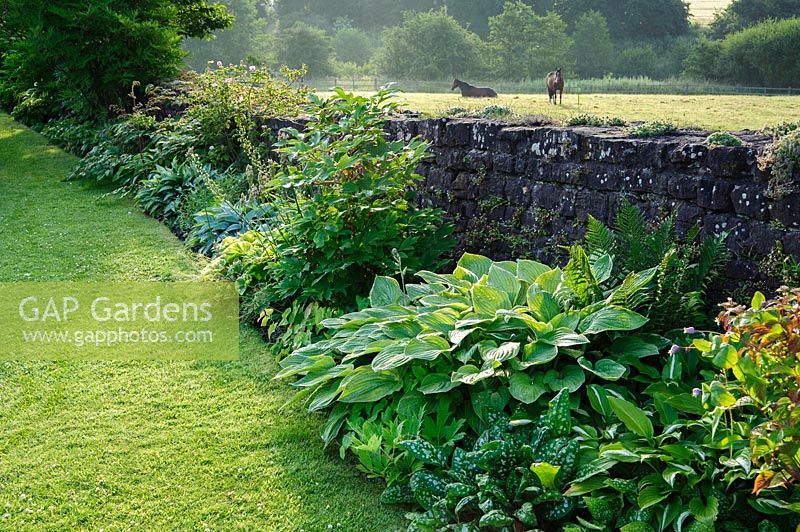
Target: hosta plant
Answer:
[[499, 333]]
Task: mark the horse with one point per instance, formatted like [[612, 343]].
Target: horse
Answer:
[[555, 83], [468, 91]]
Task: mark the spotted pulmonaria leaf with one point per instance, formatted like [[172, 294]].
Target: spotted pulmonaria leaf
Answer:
[[560, 509], [425, 452], [496, 519], [557, 419], [603, 509], [428, 488], [397, 494], [526, 515]]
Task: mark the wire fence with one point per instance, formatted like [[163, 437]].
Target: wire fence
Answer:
[[603, 86]]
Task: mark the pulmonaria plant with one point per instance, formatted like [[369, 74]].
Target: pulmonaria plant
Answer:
[[759, 358]]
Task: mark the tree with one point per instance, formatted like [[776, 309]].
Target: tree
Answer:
[[431, 45], [82, 56], [302, 44], [764, 55], [638, 61], [525, 45], [741, 14], [352, 45], [592, 49], [247, 40]]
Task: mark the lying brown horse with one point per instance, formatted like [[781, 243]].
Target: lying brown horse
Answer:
[[555, 83], [468, 91]]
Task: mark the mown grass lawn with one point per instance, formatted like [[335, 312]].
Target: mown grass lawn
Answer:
[[156, 445], [731, 113]]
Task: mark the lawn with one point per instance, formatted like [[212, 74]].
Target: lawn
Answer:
[[147, 446], [730, 113]]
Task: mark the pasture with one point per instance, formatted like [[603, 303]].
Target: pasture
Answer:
[[704, 10], [712, 112]]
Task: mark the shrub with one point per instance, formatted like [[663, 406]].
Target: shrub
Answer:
[[81, 58], [685, 264], [779, 130], [72, 135], [656, 128], [344, 201], [758, 357], [723, 138], [782, 160]]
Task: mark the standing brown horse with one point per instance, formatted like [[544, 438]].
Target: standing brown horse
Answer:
[[468, 91], [555, 83]]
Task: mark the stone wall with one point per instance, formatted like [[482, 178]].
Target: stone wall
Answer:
[[516, 190], [525, 190]]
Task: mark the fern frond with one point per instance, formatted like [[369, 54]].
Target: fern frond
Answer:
[[599, 238], [712, 258], [630, 225], [659, 241], [579, 277]]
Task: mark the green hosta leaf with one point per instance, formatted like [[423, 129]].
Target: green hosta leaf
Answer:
[[476, 264], [538, 353], [470, 374], [543, 305], [611, 319], [525, 390], [458, 335], [529, 270], [568, 378], [602, 267], [487, 300], [442, 320], [704, 512], [605, 368], [426, 348], [391, 356], [634, 346], [501, 353], [632, 417], [385, 291], [425, 452], [652, 495], [583, 487], [598, 398], [495, 519], [547, 474], [436, 383], [551, 280], [557, 419], [503, 280], [562, 337], [366, 386]]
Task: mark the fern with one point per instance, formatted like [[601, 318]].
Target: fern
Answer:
[[599, 238], [629, 226], [580, 278]]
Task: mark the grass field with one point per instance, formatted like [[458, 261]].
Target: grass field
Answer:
[[703, 10], [708, 112], [156, 445]]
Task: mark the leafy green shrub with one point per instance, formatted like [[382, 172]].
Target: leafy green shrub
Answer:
[[685, 264], [456, 111], [512, 479], [344, 199], [656, 128], [495, 111], [782, 160], [759, 356], [503, 332], [723, 138], [587, 119]]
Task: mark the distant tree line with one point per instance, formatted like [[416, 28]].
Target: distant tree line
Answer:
[[509, 39]]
